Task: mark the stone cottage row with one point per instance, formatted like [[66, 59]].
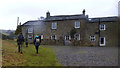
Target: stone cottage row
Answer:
[[76, 30]]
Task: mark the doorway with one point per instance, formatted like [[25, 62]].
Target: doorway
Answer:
[[67, 40], [102, 41]]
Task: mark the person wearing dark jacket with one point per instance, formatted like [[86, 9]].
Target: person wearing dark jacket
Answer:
[[37, 42], [26, 43], [20, 41]]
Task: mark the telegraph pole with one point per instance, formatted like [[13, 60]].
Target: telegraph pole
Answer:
[[17, 21]]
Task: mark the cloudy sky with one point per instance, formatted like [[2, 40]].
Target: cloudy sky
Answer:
[[33, 9]]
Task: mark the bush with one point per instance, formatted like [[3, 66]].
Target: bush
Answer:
[[18, 30], [4, 37], [72, 32]]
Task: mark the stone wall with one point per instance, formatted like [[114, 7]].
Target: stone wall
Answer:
[[64, 27], [111, 33], [91, 29]]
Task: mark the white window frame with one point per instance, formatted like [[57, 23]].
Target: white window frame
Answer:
[[54, 24], [77, 22], [30, 30], [29, 37], [52, 37], [69, 37], [92, 37], [104, 41], [101, 26], [77, 38]]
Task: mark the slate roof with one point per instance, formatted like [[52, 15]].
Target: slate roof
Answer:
[[33, 22], [65, 17], [103, 19], [72, 17]]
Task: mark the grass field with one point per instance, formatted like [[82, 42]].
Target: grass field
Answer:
[[11, 57]]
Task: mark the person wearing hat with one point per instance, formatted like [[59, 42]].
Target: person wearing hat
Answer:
[[37, 42]]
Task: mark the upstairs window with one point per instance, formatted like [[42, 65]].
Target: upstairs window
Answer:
[[77, 24], [54, 25], [77, 36], [30, 30], [102, 27], [53, 37], [92, 38]]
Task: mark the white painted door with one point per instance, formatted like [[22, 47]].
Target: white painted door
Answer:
[[102, 41]]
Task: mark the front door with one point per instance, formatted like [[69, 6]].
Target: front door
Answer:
[[67, 40], [102, 41]]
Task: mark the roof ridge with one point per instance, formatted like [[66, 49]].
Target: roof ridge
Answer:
[[67, 15], [105, 17]]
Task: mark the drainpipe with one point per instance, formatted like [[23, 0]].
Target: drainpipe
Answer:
[[99, 32]]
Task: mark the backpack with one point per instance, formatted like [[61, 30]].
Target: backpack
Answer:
[[21, 38], [37, 40]]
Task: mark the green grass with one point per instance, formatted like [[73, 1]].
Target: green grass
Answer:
[[45, 57], [10, 57]]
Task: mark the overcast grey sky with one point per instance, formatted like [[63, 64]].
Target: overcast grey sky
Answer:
[[33, 9]]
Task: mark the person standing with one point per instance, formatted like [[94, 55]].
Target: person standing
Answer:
[[20, 41], [37, 42], [26, 43]]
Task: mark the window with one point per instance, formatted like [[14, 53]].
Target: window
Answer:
[[92, 38], [53, 37], [54, 25], [29, 36], [30, 30], [102, 41], [77, 24], [102, 27], [77, 36], [67, 37]]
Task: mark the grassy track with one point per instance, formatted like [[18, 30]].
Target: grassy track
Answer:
[[11, 57]]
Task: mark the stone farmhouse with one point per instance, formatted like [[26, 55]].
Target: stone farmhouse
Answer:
[[77, 30]]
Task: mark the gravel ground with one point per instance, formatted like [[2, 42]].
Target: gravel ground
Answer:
[[86, 56]]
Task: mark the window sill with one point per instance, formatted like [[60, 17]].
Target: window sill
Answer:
[[102, 30], [77, 27], [53, 29]]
